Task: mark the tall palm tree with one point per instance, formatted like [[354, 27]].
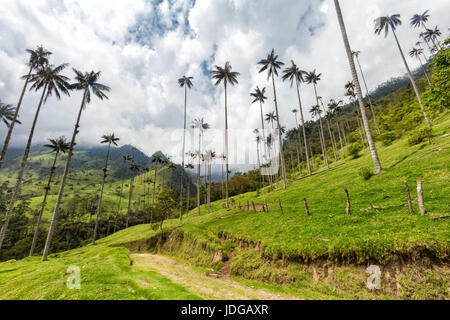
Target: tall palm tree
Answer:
[[259, 96], [202, 126], [350, 86], [189, 166], [333, 142], [226, 76], [134, 169], [7, 113], [271, 118], [415, 53], [313, 78], [334, 108], [223, 158], [86, 82], [209, 157], [272, 65], [295, 74], [51, 82], [432, 35], [107, 139], [356, 55], [156, 161], [373, 149], [56, 146], [419, 20], [317, 112], [186, 83], [38, 59], [391, 22]]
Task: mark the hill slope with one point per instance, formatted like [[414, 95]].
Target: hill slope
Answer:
[[325, 254]]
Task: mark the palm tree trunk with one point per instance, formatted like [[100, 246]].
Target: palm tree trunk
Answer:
[[424, 71], [13, 122], [188, 198], [154, 184], [324, 146], [16, 191], [298, 146], [280, 142], [227, 170], [368, 96], [63, 181], [305, 140], [184, 147], [412, 81], [373, 149], [44, 202], [120, 204], [209, 188], [199, 172], [100, 200], [340, 139]]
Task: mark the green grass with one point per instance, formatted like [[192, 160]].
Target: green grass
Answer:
[[292, 236]]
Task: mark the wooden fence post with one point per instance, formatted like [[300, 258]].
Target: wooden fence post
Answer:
[[265, 203], [281, 207], [253, 204], [408, 196], [306, 206], [347, 210], [248, 205], [420, 197]]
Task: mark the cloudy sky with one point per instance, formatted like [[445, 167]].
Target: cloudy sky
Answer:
[[142, 47]]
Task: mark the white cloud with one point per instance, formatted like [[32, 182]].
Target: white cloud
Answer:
[[142, 49]]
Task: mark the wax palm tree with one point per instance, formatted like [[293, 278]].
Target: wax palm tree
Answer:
[[56, 146], [415, 53], [156, 161], [333, 142], [107, 139], [271, 118], [50, 80], [356, 55], [86, 82], [298, 138], [334, 108], [7, 113], [37, 60], [272, 65], [226, 76], [352, 97], [432, 35], [134, 170], [316, 112], [294, 74], [373, 149], [391, 22], [189, 166], [419, 20], [259, 96], [209, 157], [202, 126], [313, 78], [223, 158], [186, 83]]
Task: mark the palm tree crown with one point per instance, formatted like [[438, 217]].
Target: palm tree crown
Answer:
[[415, 52], [50, 77], [259, 95], [7, 112], [38, 58], [316, 111], [88, 82], [58, 145], [419, 20], [271, 64], [186, 82], [110, 139], [386, 22], [312, 77], [293, 73], [225, 74]]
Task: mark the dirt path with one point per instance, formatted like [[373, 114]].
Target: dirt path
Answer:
[[199, 283]]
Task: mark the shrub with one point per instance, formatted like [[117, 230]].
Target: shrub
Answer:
[[366, 173], [387, 138], [419, 136], [354, 149]]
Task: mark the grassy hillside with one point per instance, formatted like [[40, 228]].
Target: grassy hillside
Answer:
[[288, 249]]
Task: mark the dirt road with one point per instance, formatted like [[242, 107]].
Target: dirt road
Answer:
[[199, 283]]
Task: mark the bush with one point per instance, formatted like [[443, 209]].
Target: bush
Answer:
[[354, 149], [366, 173], [419, 136], [388, 138]]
